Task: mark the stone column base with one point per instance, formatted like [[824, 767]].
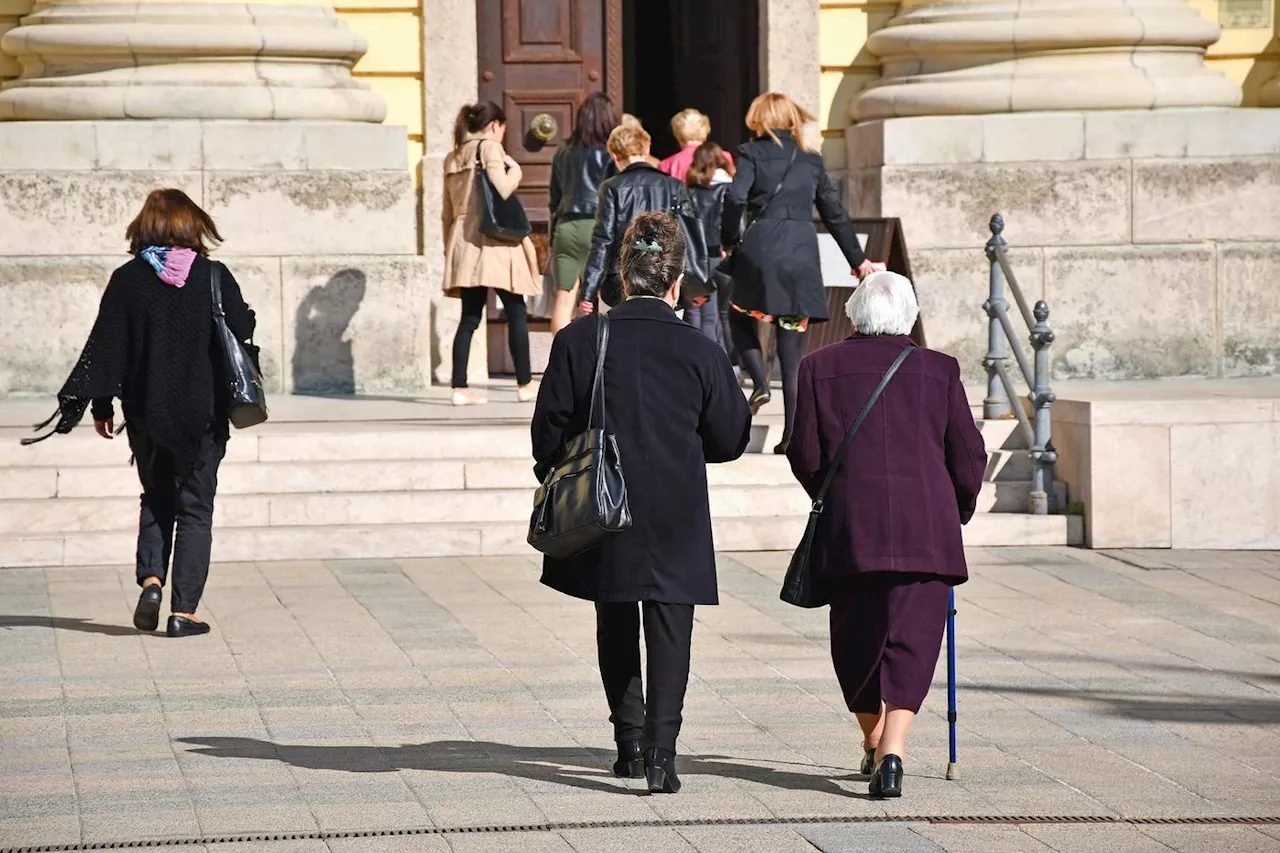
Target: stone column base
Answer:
[[1153, 235], [320, 223]]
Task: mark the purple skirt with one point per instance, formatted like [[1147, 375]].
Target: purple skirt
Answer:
[[886, 635]]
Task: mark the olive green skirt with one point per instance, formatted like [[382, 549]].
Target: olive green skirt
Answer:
[[570, 246]]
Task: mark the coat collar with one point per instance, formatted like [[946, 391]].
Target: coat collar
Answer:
[[635, 167], [886, 340], [645, 309]]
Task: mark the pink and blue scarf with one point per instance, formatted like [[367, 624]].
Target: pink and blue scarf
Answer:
[[172, 263]]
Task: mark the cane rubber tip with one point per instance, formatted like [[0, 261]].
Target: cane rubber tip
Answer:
[[953, 772]]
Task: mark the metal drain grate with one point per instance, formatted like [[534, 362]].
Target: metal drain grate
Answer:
[[261, 837]]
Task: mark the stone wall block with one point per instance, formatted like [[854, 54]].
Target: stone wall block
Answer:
[[260, 284], [341, 146], [47, 307], [1249, 308], [916, 141], [47, 145], [294, 213], [952, 284], [1050, 204], [356, 325], [1124, 134], [239, 146], [1033, 137], [1132, 312], [1128, 502], [1223, 485], [1224, 199], [145, 145], [40, 210]]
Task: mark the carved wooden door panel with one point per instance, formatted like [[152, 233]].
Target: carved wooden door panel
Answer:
[[539, 59]]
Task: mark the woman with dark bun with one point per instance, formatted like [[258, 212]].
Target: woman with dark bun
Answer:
[[672, 405]]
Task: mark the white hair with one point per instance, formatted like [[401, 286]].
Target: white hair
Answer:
[[883, 304]]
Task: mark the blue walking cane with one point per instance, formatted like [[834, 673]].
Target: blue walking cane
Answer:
[[953, 769]]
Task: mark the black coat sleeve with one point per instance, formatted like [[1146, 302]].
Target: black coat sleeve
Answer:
[[726, 418], [240, 317], [837, 220], [109, 330], [555, 408], [735, 199], [603, 238]]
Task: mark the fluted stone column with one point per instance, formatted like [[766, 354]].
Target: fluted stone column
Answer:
[[11, 11], [995, 56], [87, 59]]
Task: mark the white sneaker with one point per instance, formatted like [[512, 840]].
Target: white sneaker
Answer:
[[527, 393], [464, 397]]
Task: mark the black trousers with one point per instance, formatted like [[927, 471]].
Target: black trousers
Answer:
[[474, 300], [654, 717], [176, 517]]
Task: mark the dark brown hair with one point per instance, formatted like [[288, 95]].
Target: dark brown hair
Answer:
[[171, 218], [474, 118], [652, 255], [706, 160], [597, 117]]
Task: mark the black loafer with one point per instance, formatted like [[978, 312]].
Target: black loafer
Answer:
[[886, 778], [781, 448], [868, 761], [181, 626], [660, 771], [758, 400], [146, 616], [630, 763]]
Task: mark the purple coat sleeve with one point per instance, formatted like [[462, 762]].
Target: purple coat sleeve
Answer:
[[966, 452], [805, 450]]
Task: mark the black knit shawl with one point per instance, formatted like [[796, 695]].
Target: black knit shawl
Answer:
[[152, 346]]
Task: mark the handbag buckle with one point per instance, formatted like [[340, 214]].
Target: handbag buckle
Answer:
[[816, 509]]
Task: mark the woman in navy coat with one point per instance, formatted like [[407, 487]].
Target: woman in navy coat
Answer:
[[672, 404], [889, 546]]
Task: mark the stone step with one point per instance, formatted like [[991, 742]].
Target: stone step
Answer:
[[392, 541]]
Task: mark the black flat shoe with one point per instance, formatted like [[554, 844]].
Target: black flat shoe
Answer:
[[181, 626], [758, 400], [868, 762], [630, 763], [660, 771], [781, 448], [146, 616], [886, 778]]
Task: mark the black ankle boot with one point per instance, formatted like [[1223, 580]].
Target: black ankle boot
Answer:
[[630, 763], [660, 771], [868, 761], [886, 778]]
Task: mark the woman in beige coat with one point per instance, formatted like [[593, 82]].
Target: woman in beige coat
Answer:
[[475, 262]]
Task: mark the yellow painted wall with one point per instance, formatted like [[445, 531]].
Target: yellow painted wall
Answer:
[[1247, 56], [393, 65]]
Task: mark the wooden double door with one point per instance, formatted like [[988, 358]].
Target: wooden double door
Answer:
[[539, 59]]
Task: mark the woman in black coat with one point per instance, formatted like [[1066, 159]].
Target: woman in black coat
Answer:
[[777, 276], [153, 347], [673, 405]]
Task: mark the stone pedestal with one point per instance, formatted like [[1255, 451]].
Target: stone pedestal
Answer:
[[1153, 235], [11, 11], [320, 228], [104, 60], [994, 56]]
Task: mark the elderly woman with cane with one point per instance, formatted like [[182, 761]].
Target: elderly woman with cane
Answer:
[[889, 549]]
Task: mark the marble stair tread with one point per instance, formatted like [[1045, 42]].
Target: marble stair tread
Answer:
[[405, 541]]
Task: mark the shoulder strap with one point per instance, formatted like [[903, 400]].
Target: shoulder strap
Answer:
[[215, 287], [787, 171], [853, 430], [597, 383]]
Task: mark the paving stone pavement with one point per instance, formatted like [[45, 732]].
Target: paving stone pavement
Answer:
[[447, 695]]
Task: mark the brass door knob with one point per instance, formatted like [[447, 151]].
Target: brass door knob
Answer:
[[544, 127]]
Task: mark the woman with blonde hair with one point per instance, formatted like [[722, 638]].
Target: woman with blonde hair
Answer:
[[777, 276], [474, 261]]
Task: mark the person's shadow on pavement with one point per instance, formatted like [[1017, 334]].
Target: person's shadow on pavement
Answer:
[[67, 623], [574, 767]]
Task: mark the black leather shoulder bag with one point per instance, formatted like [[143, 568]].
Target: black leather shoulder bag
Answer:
[[583, 500], [247, 402], [799, 588], [500, 218]]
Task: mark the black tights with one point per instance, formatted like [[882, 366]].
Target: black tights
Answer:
[[474, 299], [790, 350]]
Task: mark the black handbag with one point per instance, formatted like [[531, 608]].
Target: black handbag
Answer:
[[583, 499], [798, 588], [500, 218], [246, 401], [748, 221]]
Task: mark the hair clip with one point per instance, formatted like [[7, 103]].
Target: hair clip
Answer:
[[649, 247]]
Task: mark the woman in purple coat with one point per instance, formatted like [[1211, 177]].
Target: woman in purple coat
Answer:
[[889, 546]]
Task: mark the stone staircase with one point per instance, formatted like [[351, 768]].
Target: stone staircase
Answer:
[[439, 483]]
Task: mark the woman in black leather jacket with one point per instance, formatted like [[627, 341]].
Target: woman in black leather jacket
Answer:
[[638, 188], [578, 170], [708, 178]]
